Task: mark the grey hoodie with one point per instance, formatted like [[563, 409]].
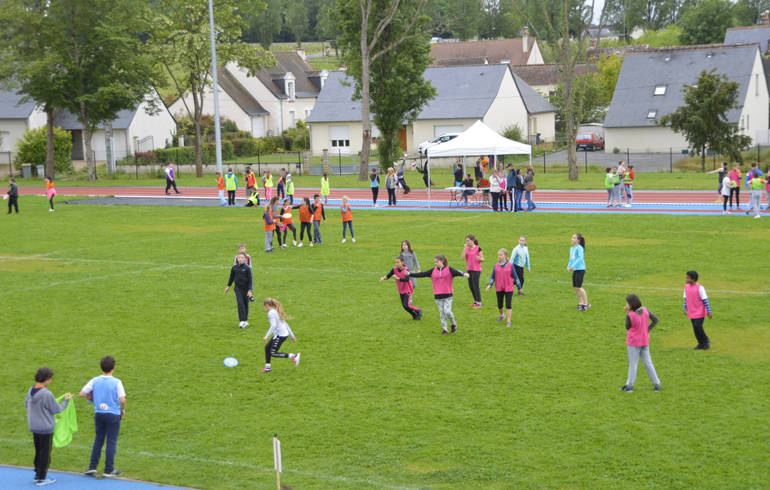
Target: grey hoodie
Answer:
[[41, 406]]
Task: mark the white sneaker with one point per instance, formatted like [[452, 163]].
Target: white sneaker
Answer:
[[344, 240], [311, 244], [240, 324], [295, 358], [626, 205], [353, 240], [294, 242], [757, 217], [299, 245], [51, 211]]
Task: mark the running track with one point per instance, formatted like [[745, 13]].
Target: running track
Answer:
[[583, 201]]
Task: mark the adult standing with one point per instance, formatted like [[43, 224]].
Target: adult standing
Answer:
[[231, 184], [374, 184], [41, 407], [13, 195], [510, 184], [494, 189], [390, 184], [170, 179], [109, 399], [518, 191], [723, 171], [240, 274]]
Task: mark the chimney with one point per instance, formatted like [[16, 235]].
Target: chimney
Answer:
[[301, 53], [525, 39], [764, 18]]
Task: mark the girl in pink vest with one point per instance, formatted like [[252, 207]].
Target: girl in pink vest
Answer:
[[696, 307], [639, 322], [404, 286], [473, 256], [503, 277], [442, 276]]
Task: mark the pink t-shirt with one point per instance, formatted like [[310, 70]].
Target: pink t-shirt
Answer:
[[639, 333], [503, 279], [442, 280], [472, 262], [695, 294], [403, 287]]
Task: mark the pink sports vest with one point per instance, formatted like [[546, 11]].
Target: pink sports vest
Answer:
[[639, 333], [403, 287], [695, 306], [472, 259], [503, 279], [442, 280]]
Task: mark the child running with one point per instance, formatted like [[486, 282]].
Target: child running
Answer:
[[305, 220], [288, 221], [577, 266], [280, 331], [503, 277], [442, 275], [276, 209], [318, 215], [50, 191], [520, 259], [404, 286], [240, 274], [473, 256], [697, 307], [325, 189], [639, 322], [347, 219], [409, 258]]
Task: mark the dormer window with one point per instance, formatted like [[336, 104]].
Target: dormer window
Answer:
[[652, 113], [660, 90], [324, 76], [289, 84]]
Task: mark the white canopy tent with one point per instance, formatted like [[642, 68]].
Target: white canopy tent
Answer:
[[477, 140]]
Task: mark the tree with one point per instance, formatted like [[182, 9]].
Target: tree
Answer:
[[465, 18], [608, 71], [569, 29], [747, 12], [297, 19], [264, 26], [627, 15], [180, 42], [362, 24], [31, 148], [703, 118], [706, 22]]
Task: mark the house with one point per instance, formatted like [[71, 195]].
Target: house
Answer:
[[465, 94], [545, 78], [518, 51], [650, 86], [148, 127], [265, 104], [15, 118], [742, 36]]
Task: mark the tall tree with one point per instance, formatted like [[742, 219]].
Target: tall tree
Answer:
[[180, 42], [748, 12], [362, 23], [706, 22], [703, 118], [297, 19], [571, 37], [264, 26], [103, 66], [465, 18]]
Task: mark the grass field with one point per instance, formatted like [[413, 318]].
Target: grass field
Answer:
[[379, 400]]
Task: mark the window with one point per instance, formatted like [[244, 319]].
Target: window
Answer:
[[290, 89], [340, 139], [4, 143], [660, 90], [292, 119], [747, 122], [652, 113], [307, 114]]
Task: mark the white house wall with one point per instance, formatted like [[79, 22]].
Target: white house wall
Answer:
[[11, 131], [160, 126], [644, 140], [265, 97], [754, 116], [536, 57], [545, 125], [507, 108], [228, 109]]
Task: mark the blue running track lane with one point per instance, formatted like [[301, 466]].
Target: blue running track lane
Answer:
[[13, 477]]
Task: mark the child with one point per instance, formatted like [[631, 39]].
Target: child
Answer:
[[391, 181], [13, 195], [251, 183], [280, 186], [240, 274], [696, 307], [276, 209], [756, 183], [267, 217], [409, 258], [50, 191], [609, 185], [473, 256], [374, 184], [231, 184], [242, 250], [503, 277], [305, 218], [639, 322], [41, 407], [253, 198], [325, 190], [735, 176], [404, 286], [290, 188], [221, 189], [267, 181], [318, 215], [288, 221], [577, 266], [628, 184], [726, 191], [280, 331], [347, 219], [520, 259], [442, 275]]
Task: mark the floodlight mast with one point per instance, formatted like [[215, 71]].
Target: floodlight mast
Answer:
[[217, 131]]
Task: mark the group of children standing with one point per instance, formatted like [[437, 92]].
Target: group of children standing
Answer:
[[619, 180], [730, 185], [283, 184]]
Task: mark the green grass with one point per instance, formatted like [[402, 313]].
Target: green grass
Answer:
[[380, 400]]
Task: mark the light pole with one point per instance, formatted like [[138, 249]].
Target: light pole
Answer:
[[217, 132]]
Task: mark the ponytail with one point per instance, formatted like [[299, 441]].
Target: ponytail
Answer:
[[581, 240], [473, 239], [277, 306]]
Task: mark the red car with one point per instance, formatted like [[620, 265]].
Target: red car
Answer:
[[589, 141]]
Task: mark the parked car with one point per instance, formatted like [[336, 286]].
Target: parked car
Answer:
[[589, 141], [423, 147]]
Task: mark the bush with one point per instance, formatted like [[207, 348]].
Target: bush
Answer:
[[209, 153], [229, 126], [298, 137], [31, 149], [245, 147], [269, 144], [616, 150], [513, 132], [179, 155]]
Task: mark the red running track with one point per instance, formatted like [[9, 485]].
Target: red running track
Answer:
[[551, 196]]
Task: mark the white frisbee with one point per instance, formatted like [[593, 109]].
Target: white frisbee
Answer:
[[230, 362], [287, 216]]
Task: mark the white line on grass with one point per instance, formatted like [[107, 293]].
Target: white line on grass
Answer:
[[654, 288], [196, 459]]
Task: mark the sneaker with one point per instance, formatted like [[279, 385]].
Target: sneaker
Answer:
[[240, 324], [520, 293], [500, 318], [705, 347], [697, 347], [266, 370], [656, 387], [454, 327], [585, 307], [626, 205], [90, 472], [298, 245], [477, 306], [51, 211], [344, 240], [444, 332], [45, 481], [311, 244], [581, 308], [110, 474], [295, 359], [295, 242], [245, 324], [755, 217], [419, 314], [627, 389], [507, 324], [354, 240]]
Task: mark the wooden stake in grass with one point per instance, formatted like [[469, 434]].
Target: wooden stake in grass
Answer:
[[277, 460]]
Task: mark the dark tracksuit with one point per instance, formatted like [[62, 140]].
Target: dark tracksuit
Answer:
[[240, 274], [13, 198]]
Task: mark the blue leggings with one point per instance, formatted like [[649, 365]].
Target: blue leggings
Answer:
[[347, 224]]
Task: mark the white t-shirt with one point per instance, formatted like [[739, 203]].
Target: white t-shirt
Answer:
[[278, 327], [726, 185]]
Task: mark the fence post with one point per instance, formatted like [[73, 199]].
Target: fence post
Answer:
[[136, 164], [259, 171], [305, 170], [628, 156], [670, 160], [324, 161], [585, 155], [339, 157], [544, 152], [758, 145]]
